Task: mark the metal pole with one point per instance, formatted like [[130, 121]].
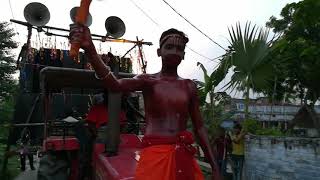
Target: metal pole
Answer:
[[27, 124], [113, 128], [103, 38], [128, 51], [141, 56]]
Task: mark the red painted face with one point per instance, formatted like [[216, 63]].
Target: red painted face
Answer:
[[172, 49]]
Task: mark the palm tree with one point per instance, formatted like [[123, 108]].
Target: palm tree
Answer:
[[247, 55], [210, 82], [217, 99], [205, 88]]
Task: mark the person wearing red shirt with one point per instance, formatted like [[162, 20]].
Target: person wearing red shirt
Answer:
[[86, 131], [221, 145], [98, 113]]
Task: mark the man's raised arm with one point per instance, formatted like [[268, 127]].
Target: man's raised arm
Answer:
[[109, 80], [200, 130], [81, 34]]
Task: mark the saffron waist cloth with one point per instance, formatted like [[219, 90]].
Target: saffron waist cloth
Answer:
[[168, 158]]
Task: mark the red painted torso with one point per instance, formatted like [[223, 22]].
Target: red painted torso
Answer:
[[166, 105]]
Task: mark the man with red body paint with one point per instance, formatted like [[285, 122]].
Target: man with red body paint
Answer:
[[169, 102]]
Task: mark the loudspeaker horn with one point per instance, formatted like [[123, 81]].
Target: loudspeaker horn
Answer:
[[36, 14], [115, 27]]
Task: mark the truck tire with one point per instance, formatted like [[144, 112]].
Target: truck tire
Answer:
[[52, 168]]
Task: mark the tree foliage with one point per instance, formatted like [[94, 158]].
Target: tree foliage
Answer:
[[247, 55], [213, 112], [297, 51], [209, 84], [7, 66]]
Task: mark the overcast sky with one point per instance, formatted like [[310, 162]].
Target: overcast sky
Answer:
[[147, 19]]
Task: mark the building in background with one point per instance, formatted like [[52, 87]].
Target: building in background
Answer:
[[276, 115]]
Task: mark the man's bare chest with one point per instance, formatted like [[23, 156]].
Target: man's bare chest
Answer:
[[170, 93]]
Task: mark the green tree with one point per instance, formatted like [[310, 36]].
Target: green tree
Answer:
[[247, 57], [297, 50], [7, 65], [207, 88], [212, 111], [8, 88]]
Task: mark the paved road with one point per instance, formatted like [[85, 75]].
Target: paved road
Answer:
[[29, 174]]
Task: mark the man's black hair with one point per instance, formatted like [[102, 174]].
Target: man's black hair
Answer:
[[173, 31]]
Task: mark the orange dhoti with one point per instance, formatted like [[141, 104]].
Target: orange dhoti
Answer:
[[168, 159]]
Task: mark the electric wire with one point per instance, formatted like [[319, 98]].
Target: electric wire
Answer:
[[194, 51], [145, 13], [193, 25], [211, 59], [13, 18]]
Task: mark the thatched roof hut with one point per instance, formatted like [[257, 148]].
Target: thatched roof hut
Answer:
[[307, 119]]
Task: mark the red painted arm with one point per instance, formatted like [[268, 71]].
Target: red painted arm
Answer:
[[81, 18], [200, 130], [81, 34], [111, 82]]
